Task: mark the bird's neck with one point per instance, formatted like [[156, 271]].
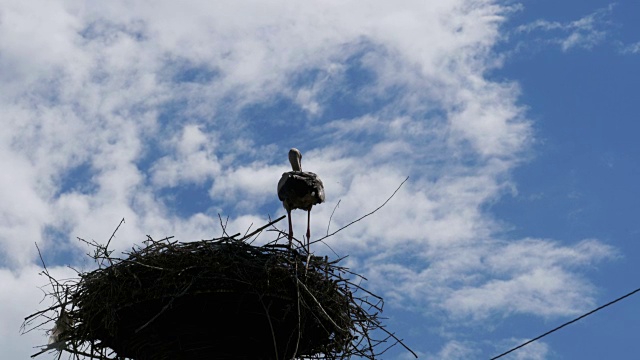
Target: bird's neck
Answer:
[[295, 165]]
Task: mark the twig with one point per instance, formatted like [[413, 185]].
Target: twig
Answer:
[[295, 352], [320, 306], [223, 226], [364, 216], [399, 341], [114, 234], [42, 260], [46, 310], [263, 227], [249, 228], [141, 264], [330, 217], [273, 333]]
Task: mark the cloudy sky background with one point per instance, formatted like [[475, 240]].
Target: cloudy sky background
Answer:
[[515, 121]]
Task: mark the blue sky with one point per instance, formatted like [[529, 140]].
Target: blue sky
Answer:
[[515, 122]]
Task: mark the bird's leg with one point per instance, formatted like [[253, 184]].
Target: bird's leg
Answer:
[[308, 230], [290, 227]]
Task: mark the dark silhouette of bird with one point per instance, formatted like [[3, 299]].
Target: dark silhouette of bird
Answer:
[[299, 189]]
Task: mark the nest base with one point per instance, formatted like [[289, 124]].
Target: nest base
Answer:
[[214, 299], [220, 325]]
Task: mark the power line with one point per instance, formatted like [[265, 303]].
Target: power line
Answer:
[[565, 324]]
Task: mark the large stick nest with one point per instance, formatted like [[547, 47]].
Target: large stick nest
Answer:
[[212, 299]]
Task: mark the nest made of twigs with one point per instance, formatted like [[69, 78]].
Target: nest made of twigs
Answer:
[[213, 299], [221, 298]]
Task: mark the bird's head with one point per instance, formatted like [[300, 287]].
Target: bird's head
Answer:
[[295, 158]]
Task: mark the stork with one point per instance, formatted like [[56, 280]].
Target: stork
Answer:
[[299, 189], [59, 334], [62, 326]]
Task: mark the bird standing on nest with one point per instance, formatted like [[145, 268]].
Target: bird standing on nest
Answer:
[[299, 189]]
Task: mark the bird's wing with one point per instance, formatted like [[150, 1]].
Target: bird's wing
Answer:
[[320, 191], [314, 181], [283, 180], [320, 188]]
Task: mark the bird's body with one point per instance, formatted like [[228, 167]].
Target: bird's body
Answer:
[[299, 189], [60, 329], [59, 334]]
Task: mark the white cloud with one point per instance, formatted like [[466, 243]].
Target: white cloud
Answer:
[[538, 350], [20, 296], [23, 213], [455, 350], [194, 159], [633, 48], [246, 187], [484, 278], [584, 33], [98, 88]]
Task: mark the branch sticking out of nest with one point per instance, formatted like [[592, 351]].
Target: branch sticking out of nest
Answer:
[[221, 298]]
